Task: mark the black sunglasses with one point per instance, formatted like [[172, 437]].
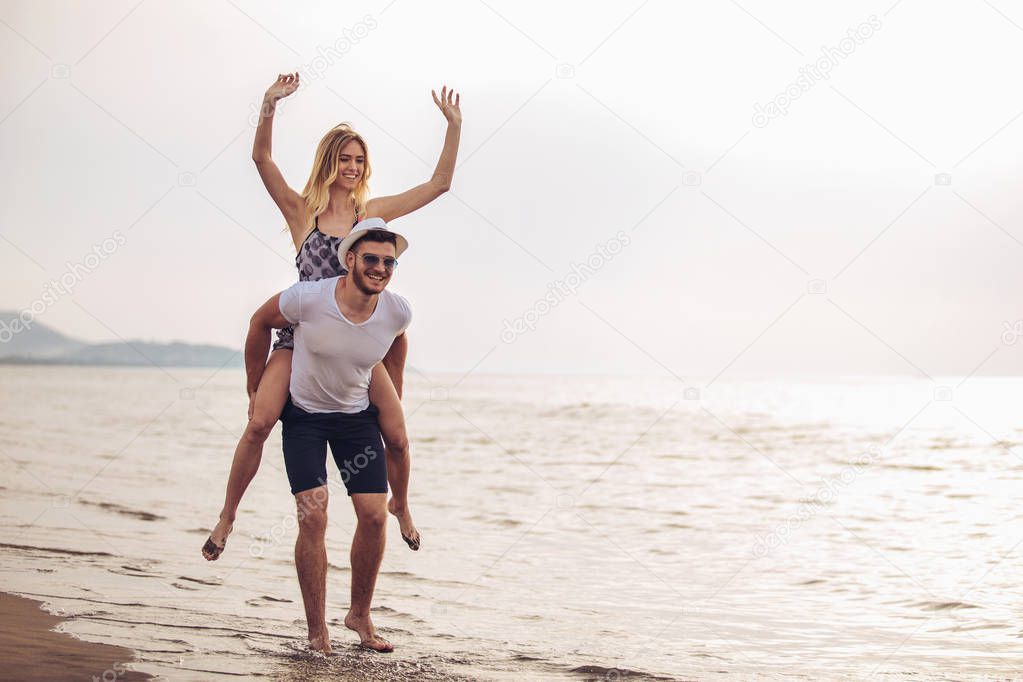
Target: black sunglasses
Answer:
[[372, 260]]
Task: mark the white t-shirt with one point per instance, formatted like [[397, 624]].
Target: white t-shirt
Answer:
[[333, 358]]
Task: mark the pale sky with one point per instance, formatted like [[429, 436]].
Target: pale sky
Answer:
[[895, 180]]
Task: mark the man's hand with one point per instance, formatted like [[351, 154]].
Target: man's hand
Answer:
[[252, 403]]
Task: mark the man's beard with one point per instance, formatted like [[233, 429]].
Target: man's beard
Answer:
[[359, 280]]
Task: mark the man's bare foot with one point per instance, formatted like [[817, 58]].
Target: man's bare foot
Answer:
[[409, 533], [217, 541], [367, 633], [320, 641]]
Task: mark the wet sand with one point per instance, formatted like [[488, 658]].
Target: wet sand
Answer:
[[31, 650]]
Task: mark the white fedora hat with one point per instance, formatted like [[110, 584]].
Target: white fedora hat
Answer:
[[360, 229]]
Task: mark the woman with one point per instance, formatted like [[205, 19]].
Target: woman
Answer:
[[338, 192]]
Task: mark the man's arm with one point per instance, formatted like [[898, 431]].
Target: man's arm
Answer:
[[257, 343]]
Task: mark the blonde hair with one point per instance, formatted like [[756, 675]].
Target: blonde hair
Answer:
[[326, 168]]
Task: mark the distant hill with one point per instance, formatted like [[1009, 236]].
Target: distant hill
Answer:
[[41, 345], [38, 342]]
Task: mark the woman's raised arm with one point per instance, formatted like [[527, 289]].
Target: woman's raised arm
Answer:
[[288, 200], [397, 205]]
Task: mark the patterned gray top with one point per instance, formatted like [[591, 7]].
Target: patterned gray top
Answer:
[[316, 259]]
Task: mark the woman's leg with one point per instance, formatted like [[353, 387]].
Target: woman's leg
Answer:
[[394, 362], [271, 394], [396, 448]]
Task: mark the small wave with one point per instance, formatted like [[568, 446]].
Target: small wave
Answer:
[[815, 502], [208, 674], [182, 586], [54, 550], [525, 658], [257, 601], [125, 511], [658, 530], [567, 410], [133, 571], [945, 605], [206, 627], [602, 673], [912, 467], [37, 595], [704, 654], [971, 628], [507, 489], [214, 582], [678, 456], [429, 581], [179, 642], [507, 523]]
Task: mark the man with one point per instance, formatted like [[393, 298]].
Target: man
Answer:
[[343, 327]]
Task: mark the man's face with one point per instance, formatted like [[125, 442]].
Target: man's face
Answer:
[[370, 279]]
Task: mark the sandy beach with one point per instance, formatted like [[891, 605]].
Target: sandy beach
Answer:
[[32, 650]]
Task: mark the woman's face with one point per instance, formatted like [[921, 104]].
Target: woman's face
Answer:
[[351, 165]]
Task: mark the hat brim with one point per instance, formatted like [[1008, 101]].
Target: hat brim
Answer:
[[361, 228]]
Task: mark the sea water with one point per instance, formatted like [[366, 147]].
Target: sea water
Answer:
[[574, 527]]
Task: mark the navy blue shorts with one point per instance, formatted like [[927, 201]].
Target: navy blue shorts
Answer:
[[354, 441]]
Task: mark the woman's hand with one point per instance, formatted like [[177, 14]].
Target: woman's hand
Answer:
[[252, 404], [448, 105], [285, 84]]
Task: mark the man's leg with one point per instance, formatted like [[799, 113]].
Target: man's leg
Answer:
[[270, 397], [367, 553], [304, 438], [396, 448], [311, 562]]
